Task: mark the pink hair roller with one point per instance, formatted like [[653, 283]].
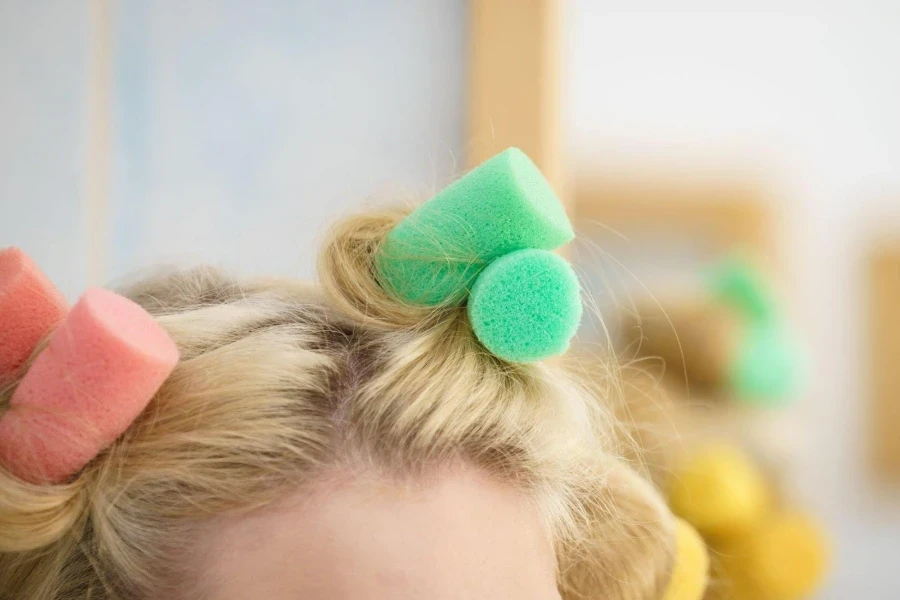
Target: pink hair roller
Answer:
[[30, 306], [103, 364]]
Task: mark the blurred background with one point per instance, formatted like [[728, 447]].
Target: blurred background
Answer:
[[680, 134]]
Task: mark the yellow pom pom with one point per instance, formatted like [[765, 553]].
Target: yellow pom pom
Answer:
[[787, 558], [720, 491], [691, 570]]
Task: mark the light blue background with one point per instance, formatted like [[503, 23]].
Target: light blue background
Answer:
[[242, 131]]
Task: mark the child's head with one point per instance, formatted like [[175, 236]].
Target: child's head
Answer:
[[332, 442]]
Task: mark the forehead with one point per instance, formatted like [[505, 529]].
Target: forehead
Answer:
[[458, 535]]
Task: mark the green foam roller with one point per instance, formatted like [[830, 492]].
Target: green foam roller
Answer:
[[434, 255], [767, 370], [742, 286], [526, 306]]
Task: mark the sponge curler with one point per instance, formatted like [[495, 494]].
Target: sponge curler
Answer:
[[434, 255], [103, 364], [30, 307], [526, 306], [690, 573]]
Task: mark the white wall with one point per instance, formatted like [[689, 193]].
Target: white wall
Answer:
[[42, 99], [805, 94]]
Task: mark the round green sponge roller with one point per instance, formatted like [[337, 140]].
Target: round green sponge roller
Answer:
[[526, 306]]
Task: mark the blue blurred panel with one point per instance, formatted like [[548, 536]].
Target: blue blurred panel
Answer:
[[42, 136], [244, 127]]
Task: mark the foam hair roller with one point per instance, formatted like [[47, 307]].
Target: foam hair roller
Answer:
[[690, 573], [487, 239], [737, 283], [721, 491], [526, 306], [30, 307], [768, 369], [103, 364], [785, 558], [434, 255]]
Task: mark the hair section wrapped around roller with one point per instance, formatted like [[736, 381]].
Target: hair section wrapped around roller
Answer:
[[104, 361], [486, 239], [30, 307]]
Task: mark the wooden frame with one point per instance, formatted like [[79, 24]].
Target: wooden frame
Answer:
[[884, 352], [727, 214], [514, 84]]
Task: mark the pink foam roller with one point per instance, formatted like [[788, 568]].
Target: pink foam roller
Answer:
[[104, 363], [30, 306]]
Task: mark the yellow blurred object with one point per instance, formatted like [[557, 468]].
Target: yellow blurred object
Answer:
[[691, 570], [785, 559], [720, 491]]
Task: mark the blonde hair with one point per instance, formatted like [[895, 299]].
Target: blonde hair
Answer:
[[280, 380]]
